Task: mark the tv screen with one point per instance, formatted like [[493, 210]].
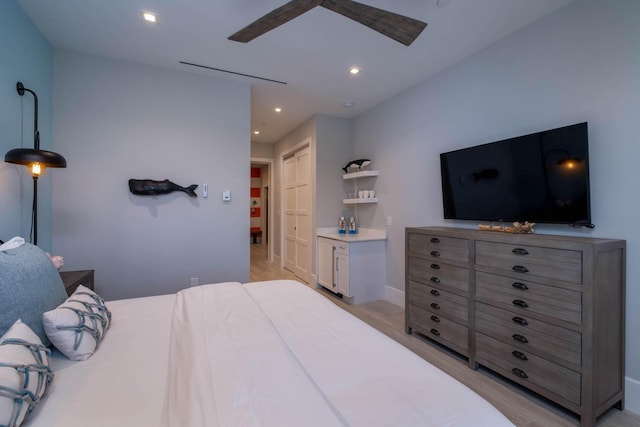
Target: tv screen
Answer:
[[542, 178]]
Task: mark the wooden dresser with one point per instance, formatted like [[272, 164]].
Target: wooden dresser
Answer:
[[545, 311], [73, 279]]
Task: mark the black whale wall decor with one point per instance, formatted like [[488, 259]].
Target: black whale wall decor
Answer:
[[357, 164], [149, 187]]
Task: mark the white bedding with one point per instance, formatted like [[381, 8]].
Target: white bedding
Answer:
[[259, 354], [123, 383]]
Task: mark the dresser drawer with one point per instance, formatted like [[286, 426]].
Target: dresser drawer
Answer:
[[526, 368], [558, 264], [437, 273], [525, 296], [441, 329], [439, 301], [544, 339], [439, 248]]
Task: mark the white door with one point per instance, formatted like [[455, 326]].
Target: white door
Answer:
[[297, 201]]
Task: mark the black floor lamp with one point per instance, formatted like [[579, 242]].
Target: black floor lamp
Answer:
[[35, 159]]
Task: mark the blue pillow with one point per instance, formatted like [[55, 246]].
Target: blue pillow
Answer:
[[29, 286]]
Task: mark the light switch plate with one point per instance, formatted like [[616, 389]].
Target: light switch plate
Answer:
[[226, 195]]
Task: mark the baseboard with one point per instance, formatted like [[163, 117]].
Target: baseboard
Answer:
[[394, 296], [632, 395]]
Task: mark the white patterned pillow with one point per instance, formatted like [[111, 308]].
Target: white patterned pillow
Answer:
[[24, 373], [78, 325]]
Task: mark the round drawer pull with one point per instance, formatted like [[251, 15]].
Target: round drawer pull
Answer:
[[435, 319], [435, 306], [521, 286], [520, 321], [435, 266], [435, 280], [520, 355], [435, 332], [435, 240], [435, 253], [519, 372], [520, 251], [435, 293], [520, 269], [520, 338], [520, 303]]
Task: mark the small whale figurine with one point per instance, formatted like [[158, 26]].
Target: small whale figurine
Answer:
[[359, 164], [149, 187]]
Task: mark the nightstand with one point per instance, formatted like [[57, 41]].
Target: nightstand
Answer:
[[73, 279]]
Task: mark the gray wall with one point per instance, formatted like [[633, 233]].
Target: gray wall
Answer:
[[331, 149], [298, 135], [117, 120], [26, 56], [262, 149], [579, 64]]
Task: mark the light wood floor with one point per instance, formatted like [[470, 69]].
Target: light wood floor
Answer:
[[520, 406]]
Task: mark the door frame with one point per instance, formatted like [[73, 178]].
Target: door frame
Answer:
[[269, 163], [307, 142]]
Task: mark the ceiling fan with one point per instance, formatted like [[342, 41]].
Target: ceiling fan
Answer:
[[400, 28]]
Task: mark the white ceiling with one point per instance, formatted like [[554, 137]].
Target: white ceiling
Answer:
[[312, 53]]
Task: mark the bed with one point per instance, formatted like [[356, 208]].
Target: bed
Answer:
[[274, 353]]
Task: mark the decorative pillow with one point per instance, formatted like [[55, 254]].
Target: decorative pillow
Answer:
[[29, 286], [78, 325], [24, 373]]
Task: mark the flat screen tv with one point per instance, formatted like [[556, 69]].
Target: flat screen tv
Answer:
[[542, 177]]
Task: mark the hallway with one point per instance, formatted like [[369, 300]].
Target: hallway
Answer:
[[262, 269]]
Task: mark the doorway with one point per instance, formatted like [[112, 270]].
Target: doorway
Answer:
[[261, 207]]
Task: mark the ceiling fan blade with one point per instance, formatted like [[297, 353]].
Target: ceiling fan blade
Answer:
[[274, 19], [400, 28]]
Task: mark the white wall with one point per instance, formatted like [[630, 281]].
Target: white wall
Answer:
[[26, 56], [262, 149], [579, 64], [298, 135], [116, 120], [333, 150]]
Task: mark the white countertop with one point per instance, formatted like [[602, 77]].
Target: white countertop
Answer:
[[364, 234]]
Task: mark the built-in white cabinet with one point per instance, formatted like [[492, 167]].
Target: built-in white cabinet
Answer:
[[354, 269], [342, 268], [357, 177], [333, 265]]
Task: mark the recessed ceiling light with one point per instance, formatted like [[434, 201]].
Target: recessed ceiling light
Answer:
[[277, 109], [348, 104], [149, 16], [256, 132], [355, 70]]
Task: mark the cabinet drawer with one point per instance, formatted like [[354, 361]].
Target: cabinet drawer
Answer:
[[437, 273], [441, 329], [526, 368], [439, 248], [544, 339], [558, 264], [439, 301], [525, 296]]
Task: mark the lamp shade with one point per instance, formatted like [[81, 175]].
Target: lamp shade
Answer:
[[27, 156]]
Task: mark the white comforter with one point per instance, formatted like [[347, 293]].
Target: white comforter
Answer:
[[277, 354]]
